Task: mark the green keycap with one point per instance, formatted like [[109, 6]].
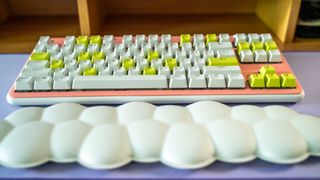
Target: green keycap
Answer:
[[171, 63], [288, 80], [272, 80], [149, 71], [97, 56], [267, 70], [90, 71], [243, 46], [230, 61], [211, 38], [256, 46], [128, 63], [96, 39], [256, 81], [185, 38], [83, 40], [84, 56], [152, 55], [39, 56], [56, 64], [270, 45]]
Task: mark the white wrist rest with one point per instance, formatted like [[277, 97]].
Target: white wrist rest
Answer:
[[104, 137]]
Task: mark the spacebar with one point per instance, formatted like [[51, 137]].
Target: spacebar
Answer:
[[120, 82]]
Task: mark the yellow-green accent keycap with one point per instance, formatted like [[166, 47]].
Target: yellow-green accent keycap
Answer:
[[288, 80], [185, 38], [171, 63], [270, 45], [56, 64], [96, 39], [149, 71], [39, 56], [256, 81], [272, 80], [267, 70], [97, 56], [230, 61], [90, 71], [153, 55], [243, 46], [211, 38], [83, 40], [128, 63], [256, 46], [83, 56]]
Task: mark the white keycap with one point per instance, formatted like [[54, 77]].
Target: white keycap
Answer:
[[127, 40], [70, 56], [43, 72], [105, 71], [44, 40], [164, 71], [146, 48], [221, 70], [209, 54], [120, 71], [235, 81], [78, 48], [274, 56], [195, 54], [216, 81], [53, 48], [99, 64], [194, 70], [166, 38], [57, 56], [178, 70], [186, 47], [253, 37], [201, 46], [153, 39], [160, 47], [119, 48], [85, 64], [93, 48], [141, 63], [108, 39], [260, 56], [120, 82], [246, 56], [37, 64], [60, 72], [134, 71], [43, 83], [224, 38], [199, 62], [185, 63], [239, 38], [156, 63], [140, 39], [178, 81], [75, 72], [24, 84], [197, 81], [173, 47], [69, 40], [40, 48], [198, 38], [219, 45], [114, 63], [71, 64], [166, 54], [62, 83], [225, 53], [67, 48], [107, 48], [265, 37], [181, 54]]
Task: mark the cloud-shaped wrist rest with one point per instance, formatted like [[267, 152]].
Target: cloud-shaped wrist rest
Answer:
[[190, 137]]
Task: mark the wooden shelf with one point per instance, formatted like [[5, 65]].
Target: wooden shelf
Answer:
[[22, 22], [20, 34]]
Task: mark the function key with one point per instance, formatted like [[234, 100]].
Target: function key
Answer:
[[44, 40], [96, 39], [83, 40], [211, 38], [166, 38], [224, 38], [198, 38], [185, 38], [108, 39]]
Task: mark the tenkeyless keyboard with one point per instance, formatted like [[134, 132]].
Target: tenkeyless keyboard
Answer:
[[156, 68]]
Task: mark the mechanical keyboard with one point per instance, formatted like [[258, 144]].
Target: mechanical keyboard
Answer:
[[184, 137], [155, 68]]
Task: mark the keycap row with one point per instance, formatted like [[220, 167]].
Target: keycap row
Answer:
[[129, 82]]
